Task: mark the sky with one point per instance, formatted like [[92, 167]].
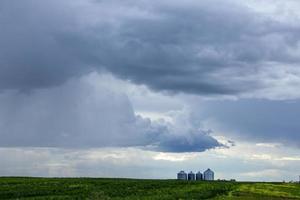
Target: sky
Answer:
[[144, 89]]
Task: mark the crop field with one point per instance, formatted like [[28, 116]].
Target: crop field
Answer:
[[114, 189]]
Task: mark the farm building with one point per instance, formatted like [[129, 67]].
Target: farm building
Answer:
[[199, 176], [191, 176], [182, 175], [208, 175]]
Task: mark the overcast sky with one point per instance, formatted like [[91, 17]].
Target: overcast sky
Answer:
[[144, 89]]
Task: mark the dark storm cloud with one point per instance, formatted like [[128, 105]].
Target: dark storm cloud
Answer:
[[83, 114], [197, 141], [201, 47], [192, 47]]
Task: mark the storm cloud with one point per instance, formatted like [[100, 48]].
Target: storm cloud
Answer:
[[85, 113], [134, 87], [192, 47]]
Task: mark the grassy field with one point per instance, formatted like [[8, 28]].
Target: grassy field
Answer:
[[92, 188]]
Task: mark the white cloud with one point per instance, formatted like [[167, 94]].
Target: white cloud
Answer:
[[238, 162], [182, 157]]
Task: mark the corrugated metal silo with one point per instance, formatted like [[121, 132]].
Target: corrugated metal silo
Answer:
[[182, 175], [199, 176], [191, 176]]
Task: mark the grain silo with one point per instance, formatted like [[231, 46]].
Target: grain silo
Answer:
[[199, 176], [182, 175], [191, 176], [208, 175]]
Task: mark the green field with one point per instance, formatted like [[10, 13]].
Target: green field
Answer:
[[92, 188]]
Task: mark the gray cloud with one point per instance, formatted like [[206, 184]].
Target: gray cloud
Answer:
[[193, 47], [191, 142], [208, 47], [85, 113], [253, 120]]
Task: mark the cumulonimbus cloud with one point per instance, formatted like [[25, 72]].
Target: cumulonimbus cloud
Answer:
[[192, 47], [83, 113]]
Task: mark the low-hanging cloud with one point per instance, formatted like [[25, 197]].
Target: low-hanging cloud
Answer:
[[192, 47], [85, 113], [252, 120]]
